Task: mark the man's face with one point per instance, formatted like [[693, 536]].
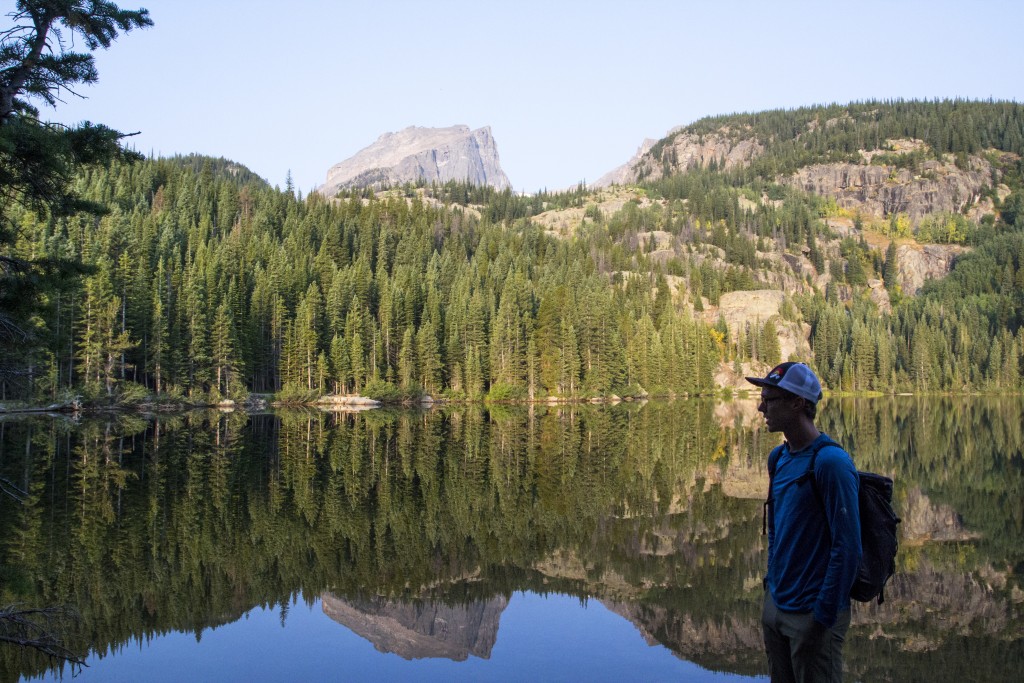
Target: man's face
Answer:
[[779, 408]]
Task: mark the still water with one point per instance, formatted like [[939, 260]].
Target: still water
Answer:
[[511, 543]]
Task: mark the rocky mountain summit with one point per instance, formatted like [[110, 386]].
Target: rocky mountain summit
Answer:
[[421, 154]]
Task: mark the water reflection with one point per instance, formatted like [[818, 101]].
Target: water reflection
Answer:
[[417, 527], [415, 630]]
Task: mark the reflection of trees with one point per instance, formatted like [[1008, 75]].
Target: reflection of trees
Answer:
[[964, 452], [190, 521]]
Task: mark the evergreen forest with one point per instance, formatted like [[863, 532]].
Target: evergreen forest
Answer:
[[199, 282]]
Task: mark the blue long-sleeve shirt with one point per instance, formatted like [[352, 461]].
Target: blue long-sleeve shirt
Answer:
[[813, 550]]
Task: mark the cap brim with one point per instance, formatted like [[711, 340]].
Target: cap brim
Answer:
[[759, 382]]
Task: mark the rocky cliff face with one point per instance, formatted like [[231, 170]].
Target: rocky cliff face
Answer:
[[419, 630], [757, 306], [730, 642], [428, 154], [882, 191], [919, 263], [685, 150], [924, 520]]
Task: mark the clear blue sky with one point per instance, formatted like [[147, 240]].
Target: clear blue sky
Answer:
[[569, 88]]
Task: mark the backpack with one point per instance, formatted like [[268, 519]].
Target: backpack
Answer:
[[878, 521]]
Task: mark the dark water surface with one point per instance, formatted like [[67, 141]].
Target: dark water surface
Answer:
[[571, 543]]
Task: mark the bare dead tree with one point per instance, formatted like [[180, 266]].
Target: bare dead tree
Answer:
[[9, 488], [41, 629]]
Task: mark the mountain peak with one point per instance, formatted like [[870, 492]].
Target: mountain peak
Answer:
[[417, 153]]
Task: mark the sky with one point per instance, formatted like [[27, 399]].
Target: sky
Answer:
[[570, 89]]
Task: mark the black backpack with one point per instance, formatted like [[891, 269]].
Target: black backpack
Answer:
[[878, 523]]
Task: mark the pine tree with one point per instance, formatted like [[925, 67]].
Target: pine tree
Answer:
[[428, 358], [223, 344], [771, 354], [103, 344], [38, 159], [341, 364], [891, 266], [157, 359], [570, 357], [407, 360]]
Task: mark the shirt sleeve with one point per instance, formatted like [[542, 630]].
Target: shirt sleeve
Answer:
[[838, 484]]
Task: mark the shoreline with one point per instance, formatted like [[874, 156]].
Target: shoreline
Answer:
[[356, 403]]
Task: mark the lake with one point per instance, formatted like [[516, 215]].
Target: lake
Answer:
[[492, 544]]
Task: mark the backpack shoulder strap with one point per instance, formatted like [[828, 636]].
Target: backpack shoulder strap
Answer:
[[809, 474], [773, 462]]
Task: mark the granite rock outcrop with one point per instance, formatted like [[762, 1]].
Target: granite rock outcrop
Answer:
[[421, 154], [883, 191], [680, 151], [916, 264]]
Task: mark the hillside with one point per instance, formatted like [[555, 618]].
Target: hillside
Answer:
[[205, 284]]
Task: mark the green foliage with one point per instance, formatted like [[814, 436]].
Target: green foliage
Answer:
[[39, 160], [385, 392], [505, 392], [1012, 210], [295, 395], [945, 229], [216, 285]]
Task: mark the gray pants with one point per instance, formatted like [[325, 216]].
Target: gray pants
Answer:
[[798, 651]]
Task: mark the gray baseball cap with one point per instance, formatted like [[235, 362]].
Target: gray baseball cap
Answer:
[[796, 378]]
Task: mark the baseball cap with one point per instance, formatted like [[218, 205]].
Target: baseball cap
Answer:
[[795, 378]]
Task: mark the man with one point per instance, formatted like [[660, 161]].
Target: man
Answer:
[[813, 534]]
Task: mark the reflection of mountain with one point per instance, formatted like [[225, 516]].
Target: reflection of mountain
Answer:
[[728, 643], [653, 510], [415, 630]]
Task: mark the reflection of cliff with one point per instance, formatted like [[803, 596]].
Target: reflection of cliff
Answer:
[[730, 643], [416, 630], [945, 602], [924, 520], [656, 508]]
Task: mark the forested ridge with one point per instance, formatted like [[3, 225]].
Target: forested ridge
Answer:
[[208, 285], [204, 283], [822, 134]]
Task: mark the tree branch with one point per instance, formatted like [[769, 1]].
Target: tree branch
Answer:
[[19, 75], [41, 629]]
